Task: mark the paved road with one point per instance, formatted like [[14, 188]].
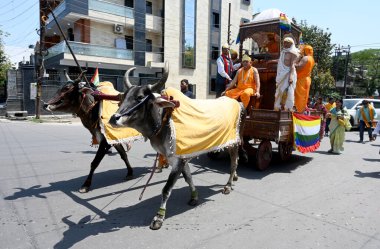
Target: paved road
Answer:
[[316, 200]]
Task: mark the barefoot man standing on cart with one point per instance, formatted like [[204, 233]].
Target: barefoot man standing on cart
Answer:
[[286, 76]]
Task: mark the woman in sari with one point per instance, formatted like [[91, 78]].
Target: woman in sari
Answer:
[[320, 107], [339, 117]]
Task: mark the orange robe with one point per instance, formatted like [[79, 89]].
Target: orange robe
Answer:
[[273, 47], [246, 86], [301, 94]]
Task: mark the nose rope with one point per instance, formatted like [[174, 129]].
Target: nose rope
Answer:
[[55, 99], [137, 106]]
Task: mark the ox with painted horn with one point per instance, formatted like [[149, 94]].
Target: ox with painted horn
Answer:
[[77, 97], [152, 111]]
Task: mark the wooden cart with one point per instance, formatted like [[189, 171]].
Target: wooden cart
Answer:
[[263, 123]]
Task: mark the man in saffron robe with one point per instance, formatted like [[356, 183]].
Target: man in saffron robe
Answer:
[[272, 46], [303, 68], [245, 84], [286, 77], [366, 114]]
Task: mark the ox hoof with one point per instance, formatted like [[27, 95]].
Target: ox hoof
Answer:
[[157, 222], [158, 170], [235, 178], [226, 190], [128, 177], [84, 189], [193, 202]]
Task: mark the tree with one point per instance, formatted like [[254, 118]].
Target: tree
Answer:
[[368, 63], [5, 63], [322, 80]]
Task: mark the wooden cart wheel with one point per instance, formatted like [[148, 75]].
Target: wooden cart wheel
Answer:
[[264, 155], [285, 149]]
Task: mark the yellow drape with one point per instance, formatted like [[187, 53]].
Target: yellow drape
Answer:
[[203, 125]]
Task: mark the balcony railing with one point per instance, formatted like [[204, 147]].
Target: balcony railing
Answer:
[[90, 50], [61, 7], [110, 8], [100, 6]]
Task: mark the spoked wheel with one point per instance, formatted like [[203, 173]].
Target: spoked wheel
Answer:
[[285, 149], [264, 155]]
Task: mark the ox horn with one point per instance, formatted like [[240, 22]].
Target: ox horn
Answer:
[[159, 85], [77, 80], [67, 76], [127, 83]]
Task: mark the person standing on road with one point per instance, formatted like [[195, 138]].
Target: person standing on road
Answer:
[[329, 105], [225, 69], [320, 107], [366, 115], [376, 131], [339, 116], [185, 88]]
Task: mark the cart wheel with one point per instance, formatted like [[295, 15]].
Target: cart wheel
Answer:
[[264, 155], [285, 150]]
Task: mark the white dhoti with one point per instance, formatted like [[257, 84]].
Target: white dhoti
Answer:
[[282, 86], [282, 81]]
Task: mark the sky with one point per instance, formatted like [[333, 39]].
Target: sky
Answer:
[[350, 22]]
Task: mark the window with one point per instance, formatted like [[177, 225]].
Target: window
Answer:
[[376, 105], [129, 42], [128, 3], [188, 33], [149, 9], [148, 45], [70, 34], [214, 53], [212, 85], [215, 20], [246, 2]]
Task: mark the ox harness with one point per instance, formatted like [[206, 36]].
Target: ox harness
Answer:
[[165, 119]]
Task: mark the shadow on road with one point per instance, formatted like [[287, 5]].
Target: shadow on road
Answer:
[[70, 187], [139, 215], [367, 174], [371, 159], [351, 141], [248, 170]]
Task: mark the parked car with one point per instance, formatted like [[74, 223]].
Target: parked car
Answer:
[[353, 105]]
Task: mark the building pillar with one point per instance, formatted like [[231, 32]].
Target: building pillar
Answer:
[[139, 45]]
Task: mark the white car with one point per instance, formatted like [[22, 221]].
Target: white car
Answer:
[[353, 105]]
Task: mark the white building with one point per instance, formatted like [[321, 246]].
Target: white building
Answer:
[[115, 35]]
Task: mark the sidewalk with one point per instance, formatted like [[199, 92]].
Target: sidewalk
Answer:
[[65, 118]]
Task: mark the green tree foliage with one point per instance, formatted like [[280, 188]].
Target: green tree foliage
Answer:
[[323, 82], [5, 63], [366, 66]]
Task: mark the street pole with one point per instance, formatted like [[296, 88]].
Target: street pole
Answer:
[[347, 50], [229, 25], [41, 60]]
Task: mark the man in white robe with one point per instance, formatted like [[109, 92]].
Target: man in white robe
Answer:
[[286, 78]]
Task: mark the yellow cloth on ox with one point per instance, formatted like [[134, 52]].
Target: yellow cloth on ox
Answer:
[[106, 110], [200, 126]]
